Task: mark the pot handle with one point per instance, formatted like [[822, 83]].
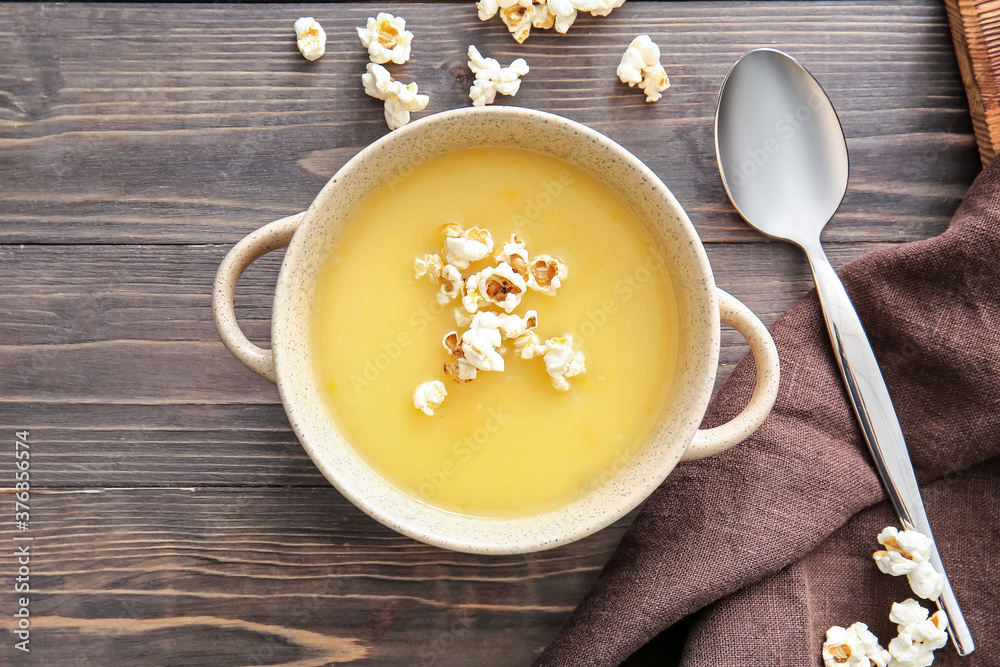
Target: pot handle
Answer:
[[254, 245], [714, 440]]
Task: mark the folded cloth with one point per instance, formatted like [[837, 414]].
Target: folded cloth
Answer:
[[769, 544]]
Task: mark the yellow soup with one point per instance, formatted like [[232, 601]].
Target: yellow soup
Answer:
[[507, 444]]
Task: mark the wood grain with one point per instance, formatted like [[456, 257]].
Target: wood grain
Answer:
[[272, 576], [154, 125], [175, 518]]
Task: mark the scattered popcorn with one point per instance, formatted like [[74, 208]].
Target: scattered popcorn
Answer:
[[491, 78], [501, 286], [907, 552], [563, 13], [521, 15], [904, 550], [488, 8], [386, 39], [451, 284], [463, 246], [428, 396], [481, 341], [489, 296], [641, 65], [399, 100], [514, 326], [471, 298], [515, 254], [598, 7], [562, 361], [926, 582], [855, 645], [429, 265], [451, 344], [547, 274], [529, 346], [459, 367], [310, 38], [543, 18], [518, 20], [919, 636]]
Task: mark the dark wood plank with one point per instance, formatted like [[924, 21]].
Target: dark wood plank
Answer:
[[164, 124], [276, 576], [175, 519]]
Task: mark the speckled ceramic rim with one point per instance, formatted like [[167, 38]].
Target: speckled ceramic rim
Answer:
[[387, 159]]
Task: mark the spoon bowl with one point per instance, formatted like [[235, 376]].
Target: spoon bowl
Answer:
[[783, 159], [780, 146]]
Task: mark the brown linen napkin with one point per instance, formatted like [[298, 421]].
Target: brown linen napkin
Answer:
[[771, 542]]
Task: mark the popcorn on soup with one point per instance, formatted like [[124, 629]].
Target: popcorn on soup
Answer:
[[493, 330]]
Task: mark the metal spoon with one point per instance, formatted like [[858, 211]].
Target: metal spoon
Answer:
[[783, 159]]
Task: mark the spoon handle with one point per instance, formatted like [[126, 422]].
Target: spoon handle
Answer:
[[874, 410]]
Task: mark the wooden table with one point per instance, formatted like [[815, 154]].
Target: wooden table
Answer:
[[174, 518]]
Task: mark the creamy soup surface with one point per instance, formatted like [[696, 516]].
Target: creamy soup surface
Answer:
[[507, 444]]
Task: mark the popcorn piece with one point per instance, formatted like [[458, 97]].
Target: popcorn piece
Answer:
[[489, 8], [909, 545], [547, 274], [641, 65], [598, 7], [501, 286], [480, 342], [529, 346], [429, 265], [428, 396], [907, 552], [459, 367], [461, 370], [563, 13], [310, 38], [399, 100], [386, 38], [515, 254], [925, 581], [855, 645], [463, 246], [907, 613], [518, 19], [521, 15], [451, 344], [471, 298], [562, 361], [919, 636], [491, 78], [451, 284], [541, 17], [514, 326]]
